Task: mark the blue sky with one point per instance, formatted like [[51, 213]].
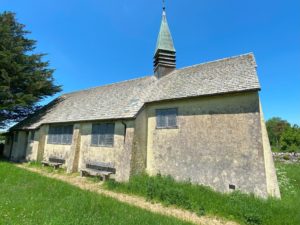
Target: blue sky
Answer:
[[96, 42]]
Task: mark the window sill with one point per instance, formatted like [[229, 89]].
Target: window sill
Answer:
[[102, 146], [162, 128], [58, 144]]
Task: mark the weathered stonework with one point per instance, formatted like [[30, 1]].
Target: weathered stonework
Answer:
[[72, 164], [18, 151], [139, 150], [287, 157], [43, 131], [32, 146], [271, 178], [7, 146], [119, 155], [219, 141]]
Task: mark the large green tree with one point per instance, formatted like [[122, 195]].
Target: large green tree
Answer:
[[25, 78], [282, 135], [290, 139], [276, 126]]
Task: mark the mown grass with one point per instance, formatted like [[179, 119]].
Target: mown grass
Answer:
[[245, 209], [29, 198]]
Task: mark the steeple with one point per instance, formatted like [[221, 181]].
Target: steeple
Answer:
[[165, 53]]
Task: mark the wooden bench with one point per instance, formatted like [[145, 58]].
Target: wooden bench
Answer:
[[53, 161], [99, 169]]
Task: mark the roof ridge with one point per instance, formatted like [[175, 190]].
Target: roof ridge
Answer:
[[217, 60], [105, 85]]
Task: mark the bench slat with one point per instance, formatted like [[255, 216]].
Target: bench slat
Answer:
[[56, 160], [98, 169]]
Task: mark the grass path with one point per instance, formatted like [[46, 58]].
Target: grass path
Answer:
[[140, 202]]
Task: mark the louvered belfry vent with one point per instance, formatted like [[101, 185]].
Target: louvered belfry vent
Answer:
[[165, 53]]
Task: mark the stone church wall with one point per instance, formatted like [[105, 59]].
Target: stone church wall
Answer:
[[55, 150], [7, 146], [119, 155], [218, 143], [139, 149], [19, 146], [80, 151], [32, 146]]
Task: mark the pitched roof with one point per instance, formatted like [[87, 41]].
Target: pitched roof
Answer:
[[164, 39], [125, 99]]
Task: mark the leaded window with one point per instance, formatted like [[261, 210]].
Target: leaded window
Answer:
[[166, 118], [60, 134], [103, 134]]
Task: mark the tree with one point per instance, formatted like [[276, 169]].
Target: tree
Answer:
[[2, 137], [276, 126], [25, 78], [290, 139]]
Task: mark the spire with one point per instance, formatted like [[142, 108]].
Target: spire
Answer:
[[165, 57], [164, 40]]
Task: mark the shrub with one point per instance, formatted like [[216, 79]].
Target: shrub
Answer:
[[246, 209], [286, 157]]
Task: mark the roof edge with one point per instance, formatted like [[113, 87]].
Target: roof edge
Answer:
[[222, 59]]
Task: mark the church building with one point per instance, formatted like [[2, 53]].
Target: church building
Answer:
[[202, 123]]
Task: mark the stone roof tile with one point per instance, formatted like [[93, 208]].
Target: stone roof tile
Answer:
[[125, 99]]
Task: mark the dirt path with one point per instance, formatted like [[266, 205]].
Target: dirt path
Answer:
[[140, 202]]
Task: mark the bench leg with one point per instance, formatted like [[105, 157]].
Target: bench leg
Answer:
[[81, 173]]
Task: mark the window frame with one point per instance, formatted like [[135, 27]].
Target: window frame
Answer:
[[96, 134], [167, 126], [57, 133]]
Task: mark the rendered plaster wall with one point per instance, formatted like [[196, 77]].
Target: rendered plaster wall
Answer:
[[139, 149], [218, 142], [73, 157], [32, 146], [61, 151], [119, 155], [19, 146], [7, 146], [42, 139], [272, 183]]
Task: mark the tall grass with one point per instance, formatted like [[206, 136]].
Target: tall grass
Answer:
[[243, 208], [28, 199]]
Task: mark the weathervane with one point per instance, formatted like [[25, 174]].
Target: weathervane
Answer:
[[164, 5]]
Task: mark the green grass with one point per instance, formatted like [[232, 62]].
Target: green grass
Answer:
[[245, 209], [29, 198]]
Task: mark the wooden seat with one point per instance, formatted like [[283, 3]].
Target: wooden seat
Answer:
[[53, 161], [99, 169]]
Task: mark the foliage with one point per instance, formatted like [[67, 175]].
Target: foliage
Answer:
[[243, 208], [2, 137], [290, 139], [276, 126], [283, 136], [29, 198], [25, 78]]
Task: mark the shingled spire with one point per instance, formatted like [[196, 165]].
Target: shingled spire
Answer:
[[165, 54]]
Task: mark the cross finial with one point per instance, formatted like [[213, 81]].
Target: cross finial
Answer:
[[164, 5]]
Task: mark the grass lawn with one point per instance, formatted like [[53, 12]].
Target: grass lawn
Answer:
[[29, 198], [236, 206]]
